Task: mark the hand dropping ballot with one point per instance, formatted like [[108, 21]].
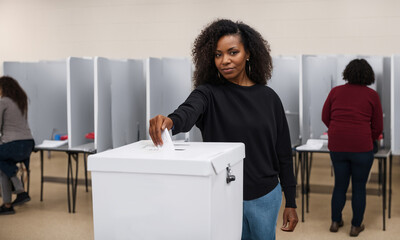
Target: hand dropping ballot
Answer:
[[167, 141]]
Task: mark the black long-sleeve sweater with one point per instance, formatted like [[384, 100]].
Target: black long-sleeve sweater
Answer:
[[253, 115]]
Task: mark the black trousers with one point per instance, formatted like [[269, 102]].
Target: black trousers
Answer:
[[357, 167]]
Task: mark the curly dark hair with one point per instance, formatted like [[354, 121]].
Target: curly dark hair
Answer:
[[358, 71], [205, 45], [11, 89]]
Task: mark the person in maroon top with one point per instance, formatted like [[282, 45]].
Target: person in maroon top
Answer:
[[353, 114]]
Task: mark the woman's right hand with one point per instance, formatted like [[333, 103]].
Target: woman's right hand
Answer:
[[157, 125]]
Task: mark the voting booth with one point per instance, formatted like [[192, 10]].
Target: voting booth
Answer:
[[395, 106], [45, 84], [285, 82], [194, 191]]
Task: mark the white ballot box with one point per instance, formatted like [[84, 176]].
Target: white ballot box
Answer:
[[194, 192]]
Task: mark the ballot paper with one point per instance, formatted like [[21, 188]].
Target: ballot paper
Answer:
[[167, 141], [52, 143], [313, 144]]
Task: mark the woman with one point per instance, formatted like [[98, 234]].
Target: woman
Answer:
[[16, 142], [232, 104], [353, 114]]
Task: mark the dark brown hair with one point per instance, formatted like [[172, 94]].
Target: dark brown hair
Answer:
[[358, 71], [11, 89], [204, 47]]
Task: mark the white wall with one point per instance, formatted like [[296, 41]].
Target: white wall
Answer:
[[33, 30]]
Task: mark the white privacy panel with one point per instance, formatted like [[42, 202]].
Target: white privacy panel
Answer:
[[80, 100], [318, 75], [102, 105], [285, 82], [385, 94], [381, 67], [168, 85], [376, 63], [395, 104], [128, 101], [45, 83]]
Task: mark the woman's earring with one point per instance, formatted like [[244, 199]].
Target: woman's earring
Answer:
[[219, 76], [248, 63]]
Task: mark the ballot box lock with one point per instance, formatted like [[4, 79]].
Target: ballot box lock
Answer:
[[229, 176]]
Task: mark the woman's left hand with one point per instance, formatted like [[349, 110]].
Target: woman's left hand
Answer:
[[290, 219]]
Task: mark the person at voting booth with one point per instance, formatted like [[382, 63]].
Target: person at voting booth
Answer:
[[353, 114], [231, 103], [16, 141]]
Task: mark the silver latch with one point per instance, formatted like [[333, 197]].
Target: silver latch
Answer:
[[229, 176]]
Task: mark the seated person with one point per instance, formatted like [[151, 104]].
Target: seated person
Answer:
[[16, 141]]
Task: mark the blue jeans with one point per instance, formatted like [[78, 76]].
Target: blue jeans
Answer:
[[13, 152], [357, 166], [260, 216]]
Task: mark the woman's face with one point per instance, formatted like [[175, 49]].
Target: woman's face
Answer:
[[230, 58]]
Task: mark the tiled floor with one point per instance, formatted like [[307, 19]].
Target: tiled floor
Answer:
[[50, 219]]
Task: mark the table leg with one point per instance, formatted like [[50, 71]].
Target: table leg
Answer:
[[307, 181], [296, 167], [41, 175], [379, 177], [302, 170], [69, 178], [76, 158], [85, 163], [384, 191], [390, 185]]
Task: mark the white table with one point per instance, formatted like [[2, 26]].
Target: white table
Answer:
[[72, 181], [305, 161]]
